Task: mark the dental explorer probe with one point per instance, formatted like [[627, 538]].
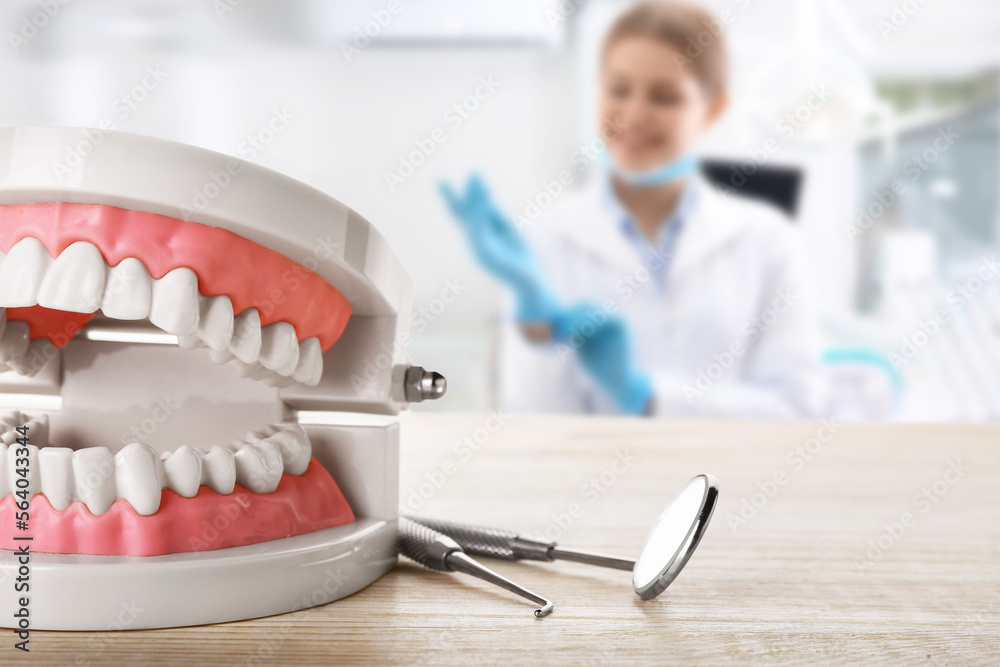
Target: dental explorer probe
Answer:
[[437, 551], [505, 544]]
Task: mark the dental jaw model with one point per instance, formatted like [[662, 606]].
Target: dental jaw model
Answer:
[[207, 357]]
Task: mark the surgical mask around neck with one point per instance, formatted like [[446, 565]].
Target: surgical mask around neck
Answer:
[[660, 175]]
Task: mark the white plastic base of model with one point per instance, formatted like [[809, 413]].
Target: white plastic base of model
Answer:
[[122, 592]]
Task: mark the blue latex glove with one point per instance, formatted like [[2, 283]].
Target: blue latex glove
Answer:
[[502, 250], [603, 345]]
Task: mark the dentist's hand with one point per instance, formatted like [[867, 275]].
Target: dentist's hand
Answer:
[[502, 250], [604, 347]]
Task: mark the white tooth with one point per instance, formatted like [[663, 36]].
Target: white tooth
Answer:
[[9, 423], [15, 467], [262, 432], [34, 358], [216, 323], [38, 429], [309, 370], [279, 347], [22, 272], [175, 302], [245, 345], [220, 356], [14, 342], [75, 281], [190, 342], [272, 379], [139, 476], [295, 448], [9, 420], [94, 478], [218, 470], [182, 471], [266, 376], [252, 371], [56, 467], [258, 466], [258, 372], [128, 294]]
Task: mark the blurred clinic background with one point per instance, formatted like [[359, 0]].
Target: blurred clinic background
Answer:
[[834, 102]]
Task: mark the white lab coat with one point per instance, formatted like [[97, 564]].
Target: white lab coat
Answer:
[[734, 333]]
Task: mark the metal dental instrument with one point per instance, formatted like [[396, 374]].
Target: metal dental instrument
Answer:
[[668, 547], [436, 551]]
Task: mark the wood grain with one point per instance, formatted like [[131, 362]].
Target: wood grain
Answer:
[[792, 583]]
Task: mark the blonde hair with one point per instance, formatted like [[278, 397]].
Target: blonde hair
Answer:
[[690, 29]]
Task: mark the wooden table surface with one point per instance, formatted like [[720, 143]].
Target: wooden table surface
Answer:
[[877, 543]]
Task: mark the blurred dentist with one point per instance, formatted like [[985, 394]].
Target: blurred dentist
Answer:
[[652, 293]]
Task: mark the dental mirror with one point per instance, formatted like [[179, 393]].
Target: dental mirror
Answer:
[[675, 536], [667, 550]]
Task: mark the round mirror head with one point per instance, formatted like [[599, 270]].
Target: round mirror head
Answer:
[[675, 537]]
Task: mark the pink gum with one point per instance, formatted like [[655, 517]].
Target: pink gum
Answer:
[[301, 504], [250, 274]]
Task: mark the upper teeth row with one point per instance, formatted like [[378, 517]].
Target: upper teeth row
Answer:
[[137, 473], [80, 281]]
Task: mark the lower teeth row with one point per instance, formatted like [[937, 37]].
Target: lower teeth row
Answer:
[[138, 474]]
